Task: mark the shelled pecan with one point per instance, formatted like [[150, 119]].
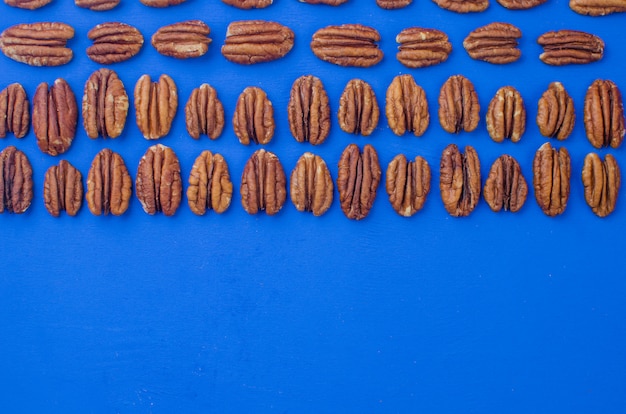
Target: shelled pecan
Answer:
[[520, 4], [463, 6], [109, 185], [357, 180], [16, 181], [551, 179], [308, 110], [105, 105], [161, 3], [601, 180], [210, 187], [419, 47], [459, 109], [506, 115], [597, 7], [55, 115], [249, 4], [347, 45], [113, 42], [494, 43], [182, 40], [27, 4], [204, 113], [393, 4], [564, 47], [97, 5], [256, 41], [38, 44], [358, 109], [158, 184], [311, 186], [406, 106], [14, 112], [155, 105], [263, 184], [604, 114], [459, 180], [327, 2], [253, 120], [63, 189], [555, 113], [407, 184], [505, 188]]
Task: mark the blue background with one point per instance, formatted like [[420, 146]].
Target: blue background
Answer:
[[294, 313]]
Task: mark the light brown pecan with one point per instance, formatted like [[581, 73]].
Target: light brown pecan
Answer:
[[406, 106], [155, 105], [597, 7], [564, 47], [161, 3], [38, 44], [358, 109], [459, 109], [182, 40], [604, 114], [520, 4], [419, 47], [253, 120], [55, 115], [463, 6], [494, 43], [555, 113], [311, 186], [14, 112], [63, 189], [16, 181], [327, 2], [249, 4], [256, 41], [601, 181], [204, 113], [505, 188], [263, 184], [97, 5], [27, 4], [347, 45], [393, 4], [459, 180], [308, 110], [357, 180], [109, 185], [158, 184], [506, 115], [551, 179], [114, 42], [407, 184], [209, 187], [105, 105]]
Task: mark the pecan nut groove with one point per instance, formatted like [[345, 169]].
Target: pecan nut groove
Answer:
[[407, 184], [182, 40], [210, 187], [564, 47], [16, 181], [308, 110], [263, 184], [113, 42], [109, 185], [204, 113], [506, 115], [55, 115], [459, 109], [158, 184], [601, 180], [105, 105], [494, 43], [555, 112], [505, 188], [357, 180], [551, 179], [14, 112], [406, 106], [311, 186], [155, 105], [63, 189], [38, 44], [419, 47], [253, 120], [358, 109], [604, 114], [347, 45], [256, 41]]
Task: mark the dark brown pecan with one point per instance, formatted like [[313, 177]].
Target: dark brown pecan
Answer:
[[249, 4], [109, 185], [358, 109], [347, 45], [55, 116], [564, 47], [357, 180], [38, 44], [463, 6], [155, 105], [308, 110], [14, 113], [551, 176], [256, 41], [494, 43], [105, 105], [459, 180], [555, 113], [158, 183], [506, 115], [16, 181], [204, 113], [97, 5], [253, 120], [406, 106], [63, 189], [602, 182], [113, 42], [459, 109], [407, 184], [597, 7], [182, 40], [520, 4], [393, 4], [210, 187], [327, 2], [604, 114], [27, 4], [505, 188], [421, 47], [311, 186], [161, 3], [263, 184]]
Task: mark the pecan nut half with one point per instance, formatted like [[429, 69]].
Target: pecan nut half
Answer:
[[347, 45], [27, 4], [604, 114], [459, 109], [249, 4], [263, 184], [210, 187], [16, 181], [505, 188], [105, 105], [253, 120], [158, 183], [63, 189], [155, 105], [109, 185], [407, 184], [256, 41], [463, 6], [327, 2], [114, 42], [506, 115], [597, 7], [555, 113], [55, 115], [182, 40], [564, 47], [551, 179], [419, 47], [311, 186], [97, 5], [601, 181], [459, 180], [38, 44], [494, 43], [406, 106], [204, 113], [161, 3], [393, 4], [357, 180], [358, 109], [520, 4], [14, 112], [308, 110]]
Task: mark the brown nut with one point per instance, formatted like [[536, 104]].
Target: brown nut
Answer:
[[113, 42], [459, 180], [419, 47], [27, 4], [520, 4], [109, 185], [406, 106], [311, 186], [393, 4], [55, 115], [105, 105], [97, 5], [327, 2], [358, 108], [161, 3], [204, 113], [14, 112], [494, 43], [263, 184], [555, 113], [604, 114], [347, 45], [407, 184], [505, 188], [597, 7], [158, 184], [602, 182], [16, 181], [38, 44], [459, 109], [248, 4], [209, 187], [551, 179], [463, 6], [253, 120], [564, 47], [182, 40], [155, 105], [506, 115], [63, 189], [256, 41], [357, 180], [308, 110]]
